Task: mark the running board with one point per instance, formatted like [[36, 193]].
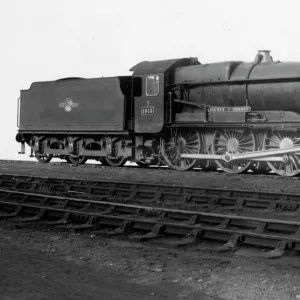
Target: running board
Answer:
[[264, 155]]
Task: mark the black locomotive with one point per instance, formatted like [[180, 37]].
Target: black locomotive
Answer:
[[232, 115]]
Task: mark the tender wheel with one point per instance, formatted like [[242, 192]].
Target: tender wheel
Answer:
[[80, 160], [184, 142], [281, 140], [103, 162], [234, 142], [115, 162], [43, 158]]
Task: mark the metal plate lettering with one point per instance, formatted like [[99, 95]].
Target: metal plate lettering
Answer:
[[231, 109], [147, 110]]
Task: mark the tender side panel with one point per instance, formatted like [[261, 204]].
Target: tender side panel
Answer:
[[74, 105]]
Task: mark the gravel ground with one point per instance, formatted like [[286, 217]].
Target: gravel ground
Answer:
[[249, 181], [38, 263]]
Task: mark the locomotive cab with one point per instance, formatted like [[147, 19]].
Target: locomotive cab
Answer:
[[150, 81]]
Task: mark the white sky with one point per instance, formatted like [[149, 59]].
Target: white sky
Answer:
[[48, 40]]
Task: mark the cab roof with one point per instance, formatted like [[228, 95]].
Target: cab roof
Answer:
[[161, 66]]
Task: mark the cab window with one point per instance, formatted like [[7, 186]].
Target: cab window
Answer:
[[152, 85]]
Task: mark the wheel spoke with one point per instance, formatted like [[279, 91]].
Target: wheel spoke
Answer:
[[280, 140], [247, 138], [293, 162], [183, 142], [186, 150], [222, 151], [192, 148], [234, 142]]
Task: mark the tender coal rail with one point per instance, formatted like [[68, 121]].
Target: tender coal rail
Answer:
[[146, 223], [193, 198]]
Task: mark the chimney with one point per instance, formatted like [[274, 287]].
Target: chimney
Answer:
[[266, 57]]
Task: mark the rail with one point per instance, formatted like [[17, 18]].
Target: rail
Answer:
[[192, 198], [148, 222]]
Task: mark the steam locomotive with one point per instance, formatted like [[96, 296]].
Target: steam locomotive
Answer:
[[231, 115]]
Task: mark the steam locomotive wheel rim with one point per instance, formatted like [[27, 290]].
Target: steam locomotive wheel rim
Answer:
[[281, 140], [185, 142], [115, 162], [103, 162], [45, 158], [79, 160], [234, 142]]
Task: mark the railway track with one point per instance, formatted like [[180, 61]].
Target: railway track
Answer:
[[257, 170], [86, 165], [145, 223], [180, 197], [130, 166]]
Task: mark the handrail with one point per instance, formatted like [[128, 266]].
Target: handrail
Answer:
[[18, 112]]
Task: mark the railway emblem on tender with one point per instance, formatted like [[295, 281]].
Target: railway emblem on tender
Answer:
[[68, 104], [147, 110]]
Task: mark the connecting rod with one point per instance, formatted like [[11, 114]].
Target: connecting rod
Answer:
[[263, 155]]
